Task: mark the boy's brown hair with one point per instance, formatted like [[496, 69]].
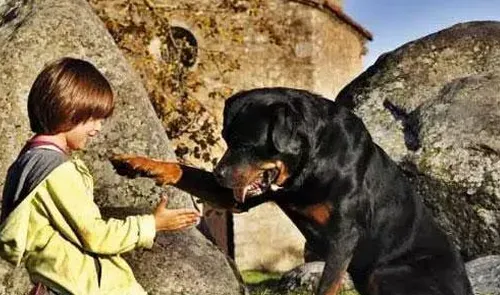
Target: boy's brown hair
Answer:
[[66, 93]]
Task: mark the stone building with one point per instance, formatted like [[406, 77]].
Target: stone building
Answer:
[[192, 54]]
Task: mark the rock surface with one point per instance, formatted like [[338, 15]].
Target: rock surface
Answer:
[[459, 161], [434, 106], [34, 32], [307, 276], [484, 274], [15, 281], [416, 72]]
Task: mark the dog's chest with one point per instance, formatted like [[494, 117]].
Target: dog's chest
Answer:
[[318, 214]]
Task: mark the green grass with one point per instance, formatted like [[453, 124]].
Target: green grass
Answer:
[[255, 277], [264, 291], [264, 283]]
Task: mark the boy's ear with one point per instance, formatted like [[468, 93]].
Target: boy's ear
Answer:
[[284, 129]]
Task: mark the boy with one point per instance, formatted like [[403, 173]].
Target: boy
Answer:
[[49, 218]]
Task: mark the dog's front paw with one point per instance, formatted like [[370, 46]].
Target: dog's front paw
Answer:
[[133, 166], [166, 173], [127, 165]]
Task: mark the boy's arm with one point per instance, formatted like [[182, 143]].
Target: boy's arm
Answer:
[[75, 208]]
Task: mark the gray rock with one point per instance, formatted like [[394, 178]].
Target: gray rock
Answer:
[[434, 106], [416, 72], [15, 281], [484, 275], [307, 276], [34, 32], [201, 266], [459, 133]]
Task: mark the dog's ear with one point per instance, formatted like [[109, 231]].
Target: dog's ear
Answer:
[[284, 129]]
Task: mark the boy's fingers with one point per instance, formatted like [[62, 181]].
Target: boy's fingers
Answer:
[[187, 223], [162, 204], [185, 211], [164, 198], [192, 219], [188, 219]]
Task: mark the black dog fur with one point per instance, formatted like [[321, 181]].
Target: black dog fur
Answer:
[[349, 199]]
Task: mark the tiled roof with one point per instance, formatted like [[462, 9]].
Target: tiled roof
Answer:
[[331, 7]]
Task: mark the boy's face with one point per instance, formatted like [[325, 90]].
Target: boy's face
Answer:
[[77, 137]]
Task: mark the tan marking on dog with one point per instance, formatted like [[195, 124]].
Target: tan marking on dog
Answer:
[[337, 285], [168, 173], [243, 176], [319, 212], [162, 172], [283, 171], [246, 175], [339, 281], [283, 176], [334, 289], [268, 165]]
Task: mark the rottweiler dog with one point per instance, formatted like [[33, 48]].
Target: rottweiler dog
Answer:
[[318, 162]]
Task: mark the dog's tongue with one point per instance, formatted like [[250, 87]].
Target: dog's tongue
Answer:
[[240, 193]]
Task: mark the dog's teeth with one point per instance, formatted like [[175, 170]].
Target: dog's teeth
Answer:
[[240, 193], [274, 187], [245, 189]]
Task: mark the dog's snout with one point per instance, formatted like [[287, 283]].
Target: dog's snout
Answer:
[[220, 174], [222, 170]]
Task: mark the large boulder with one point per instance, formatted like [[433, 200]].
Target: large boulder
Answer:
[[484, 274], [35, 32], [415, 73], [458, 164], [434, 106]]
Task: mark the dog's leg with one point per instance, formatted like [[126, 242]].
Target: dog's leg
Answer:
[[133, 166], [197, 182], [203, 185], [340, 252], [332, 278]]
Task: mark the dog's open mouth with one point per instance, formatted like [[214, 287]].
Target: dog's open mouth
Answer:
[[265, 180]]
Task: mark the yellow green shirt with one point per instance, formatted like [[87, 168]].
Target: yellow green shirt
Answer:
[[57, 226]]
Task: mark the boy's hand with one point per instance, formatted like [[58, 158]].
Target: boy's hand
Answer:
[[173, 219]]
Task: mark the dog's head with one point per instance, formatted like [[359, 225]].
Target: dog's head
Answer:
[[267, 141]]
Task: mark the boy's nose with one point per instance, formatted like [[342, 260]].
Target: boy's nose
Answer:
[[96, 128], [98, 125]]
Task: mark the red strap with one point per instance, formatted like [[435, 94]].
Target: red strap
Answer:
[[38, 289], [34, 142]]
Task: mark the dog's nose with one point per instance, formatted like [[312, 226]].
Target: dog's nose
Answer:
[[220, 174]]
